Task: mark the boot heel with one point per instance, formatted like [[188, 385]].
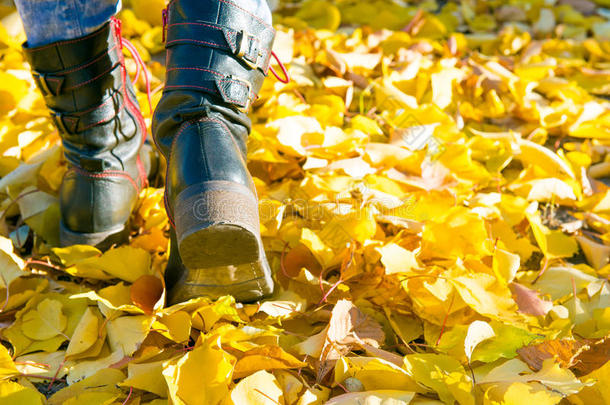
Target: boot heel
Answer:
[[217, 225]]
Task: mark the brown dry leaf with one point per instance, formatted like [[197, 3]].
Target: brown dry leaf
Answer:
[[591, 356], [147, 293], [529, 301], [348, 326], [298, 257], [562, 351]]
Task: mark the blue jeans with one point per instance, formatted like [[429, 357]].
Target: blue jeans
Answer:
[[48, 21]]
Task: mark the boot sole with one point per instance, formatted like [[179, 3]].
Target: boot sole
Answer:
[[218, 235], [101, 240], [245, 282]]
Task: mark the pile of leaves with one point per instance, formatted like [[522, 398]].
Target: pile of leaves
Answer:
[[434, 204]]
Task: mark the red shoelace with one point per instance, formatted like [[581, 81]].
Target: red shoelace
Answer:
[[140, 66]]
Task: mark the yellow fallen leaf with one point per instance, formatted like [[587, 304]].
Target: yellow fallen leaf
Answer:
[[397, 259], [559, 281], [7, 367], [442, 374], [322, 252], [87, 368], [126, 333], [341, 230], [519, 393], [597, 255], [72, 309], [261, 388], [43, 365], [44, 322], [147, 377], [13, 90], [205, 317], [553, 243], [265, 358], [291, 385], [112, 299], [551, 375], [71, 255], [175, 326], [483, 295], [381, 397], [11, 265], [22, 290], [184, 376], [87, 334], [538, 155], [113, 264], [442, 85], [93, 398], [505, 265], [375, 374], [104, 381], [320, 14], [15, 393], [478, 331], [317, 395], [288, 303]]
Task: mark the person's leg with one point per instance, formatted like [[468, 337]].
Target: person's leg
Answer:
[[47, 21], [218, 55], [75, 51]]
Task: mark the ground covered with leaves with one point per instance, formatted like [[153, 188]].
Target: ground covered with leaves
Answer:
[[434, 205]]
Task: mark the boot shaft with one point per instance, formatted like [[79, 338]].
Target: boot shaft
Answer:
[[92, 102], [217, 58], [90, 98], [219, 48]]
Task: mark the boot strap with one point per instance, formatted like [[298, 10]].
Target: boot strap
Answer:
[[249, 48], [60, 82], [217, 47], [75, 122], [232, 89]]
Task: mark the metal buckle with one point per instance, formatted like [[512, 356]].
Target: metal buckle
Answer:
[[40, 79], [245, 38], [249, 87]]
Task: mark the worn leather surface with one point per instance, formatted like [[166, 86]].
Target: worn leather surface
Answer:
[[217, 47], [199, 130], [200, 125], [93, 105]]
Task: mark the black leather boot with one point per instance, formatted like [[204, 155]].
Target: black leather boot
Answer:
[[217, 58], [93, 104]]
